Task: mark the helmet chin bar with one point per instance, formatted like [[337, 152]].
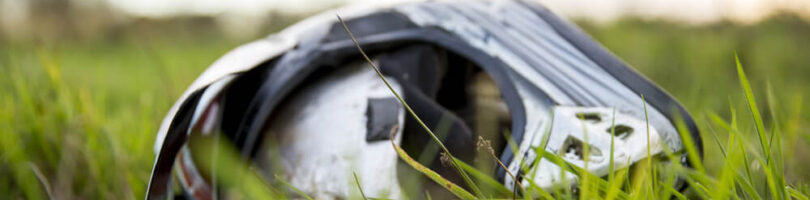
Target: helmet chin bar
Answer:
[[572, 128]]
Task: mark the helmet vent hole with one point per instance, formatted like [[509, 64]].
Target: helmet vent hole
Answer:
[[621, 131], [573, 149], [590, 117]]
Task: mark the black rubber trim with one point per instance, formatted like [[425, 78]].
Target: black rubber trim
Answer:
[[160, 179]]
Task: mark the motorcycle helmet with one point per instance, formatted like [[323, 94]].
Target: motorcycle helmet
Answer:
[[510, 72]]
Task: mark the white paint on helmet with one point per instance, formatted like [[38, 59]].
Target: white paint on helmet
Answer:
[[320, 132]]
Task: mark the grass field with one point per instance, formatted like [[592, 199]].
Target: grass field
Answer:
[[78, 117]]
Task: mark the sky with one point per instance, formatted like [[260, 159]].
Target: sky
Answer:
[[689, 11]]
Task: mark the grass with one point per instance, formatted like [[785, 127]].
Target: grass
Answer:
[[78, 118], [85, 114]]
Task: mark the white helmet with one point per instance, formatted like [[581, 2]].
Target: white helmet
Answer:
[[471, 69]]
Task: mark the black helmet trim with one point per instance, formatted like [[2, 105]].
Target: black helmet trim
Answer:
[[160, 179]]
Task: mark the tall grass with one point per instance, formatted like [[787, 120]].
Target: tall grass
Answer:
[[78, 120]]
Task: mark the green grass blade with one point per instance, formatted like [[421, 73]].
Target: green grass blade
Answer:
[[580, 172], [233, 172], [359, 187], [485, 179], [752, 106], [689, 145], [719, 121], [534, 187], [776, 134], [771, 181], [796, 194], [675, 193], [450, 186], [295, 189], [748, 187], [612, 173], [649, 155], [746, 162], [615, 185]]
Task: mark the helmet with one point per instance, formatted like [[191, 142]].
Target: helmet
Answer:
[[469, 70]]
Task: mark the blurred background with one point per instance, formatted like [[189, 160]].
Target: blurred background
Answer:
[[84, 84]]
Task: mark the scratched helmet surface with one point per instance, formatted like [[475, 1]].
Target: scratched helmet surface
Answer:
[[304, 105]]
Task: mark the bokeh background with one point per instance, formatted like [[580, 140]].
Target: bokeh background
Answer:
[[84, 84]]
